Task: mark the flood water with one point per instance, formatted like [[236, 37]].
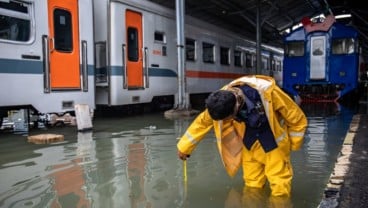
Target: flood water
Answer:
[[131, 161]]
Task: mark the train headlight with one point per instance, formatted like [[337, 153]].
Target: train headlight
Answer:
[[342, 74], [340, 87], [294, 74]]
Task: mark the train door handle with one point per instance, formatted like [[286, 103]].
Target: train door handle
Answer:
[[46, 63], [145, 68], [124, 65], [52, 45]]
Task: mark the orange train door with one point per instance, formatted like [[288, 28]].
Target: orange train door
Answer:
[[64, 44], [134, 50]]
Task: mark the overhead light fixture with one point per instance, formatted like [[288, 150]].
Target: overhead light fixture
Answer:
[[343, 16]]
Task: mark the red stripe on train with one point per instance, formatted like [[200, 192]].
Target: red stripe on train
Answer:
[[202, 74]]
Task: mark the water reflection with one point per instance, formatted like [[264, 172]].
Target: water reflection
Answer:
[[255, 198], [328, 123], [131, 162]]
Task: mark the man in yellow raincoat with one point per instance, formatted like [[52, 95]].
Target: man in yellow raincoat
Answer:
[[256, 125]]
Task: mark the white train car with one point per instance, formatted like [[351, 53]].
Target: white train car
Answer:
[[221, 56], [46, 55], [136, 54], [112, 53]]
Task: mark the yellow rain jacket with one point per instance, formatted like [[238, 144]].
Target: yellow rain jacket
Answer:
[[287, 121]]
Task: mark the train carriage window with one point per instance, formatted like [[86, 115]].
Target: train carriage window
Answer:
[[254, 60], [318, 47], [295, 48], [190, 52], [238, 58], [208, 52], [160, 37], [278, 65], [63, 30], [100, 63], [15, 21], [343, 46], [133, 49], [224, 56], [248, 60], [265, 63]]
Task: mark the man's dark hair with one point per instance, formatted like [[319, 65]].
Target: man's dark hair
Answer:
[[220, 104]]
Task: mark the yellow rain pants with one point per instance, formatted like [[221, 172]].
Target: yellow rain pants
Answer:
[[274, 166]]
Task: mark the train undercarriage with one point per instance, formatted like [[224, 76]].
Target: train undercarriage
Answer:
[[325, 93], [318, 93], [24, 118]]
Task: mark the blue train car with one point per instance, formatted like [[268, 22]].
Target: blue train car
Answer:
[[321, 61]]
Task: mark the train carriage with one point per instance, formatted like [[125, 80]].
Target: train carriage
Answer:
[[321, 61], [136, 54], [114, 53], [46, 55]]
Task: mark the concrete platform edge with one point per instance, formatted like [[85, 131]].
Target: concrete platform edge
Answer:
[[336, 181]]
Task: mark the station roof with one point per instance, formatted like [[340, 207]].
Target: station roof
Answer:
[[276, 16]]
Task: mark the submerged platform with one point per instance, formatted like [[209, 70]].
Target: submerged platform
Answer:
[[348, 184]]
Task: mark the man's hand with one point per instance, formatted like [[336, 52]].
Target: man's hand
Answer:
[[183, 156]]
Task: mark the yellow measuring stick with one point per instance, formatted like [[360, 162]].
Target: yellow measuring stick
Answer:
[[185, 170], [185, 179]]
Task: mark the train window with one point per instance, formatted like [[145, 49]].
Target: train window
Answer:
[[254, 60], [224, 56], [133, 53], [278, 65], [318, 46], [265, 63], [343, 46], [101, 63], [295, 48], [208, 52], [160, 37], [190, 52], [63, 30], [15, 21], [248, 60], [237, 58], [273, 65]]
